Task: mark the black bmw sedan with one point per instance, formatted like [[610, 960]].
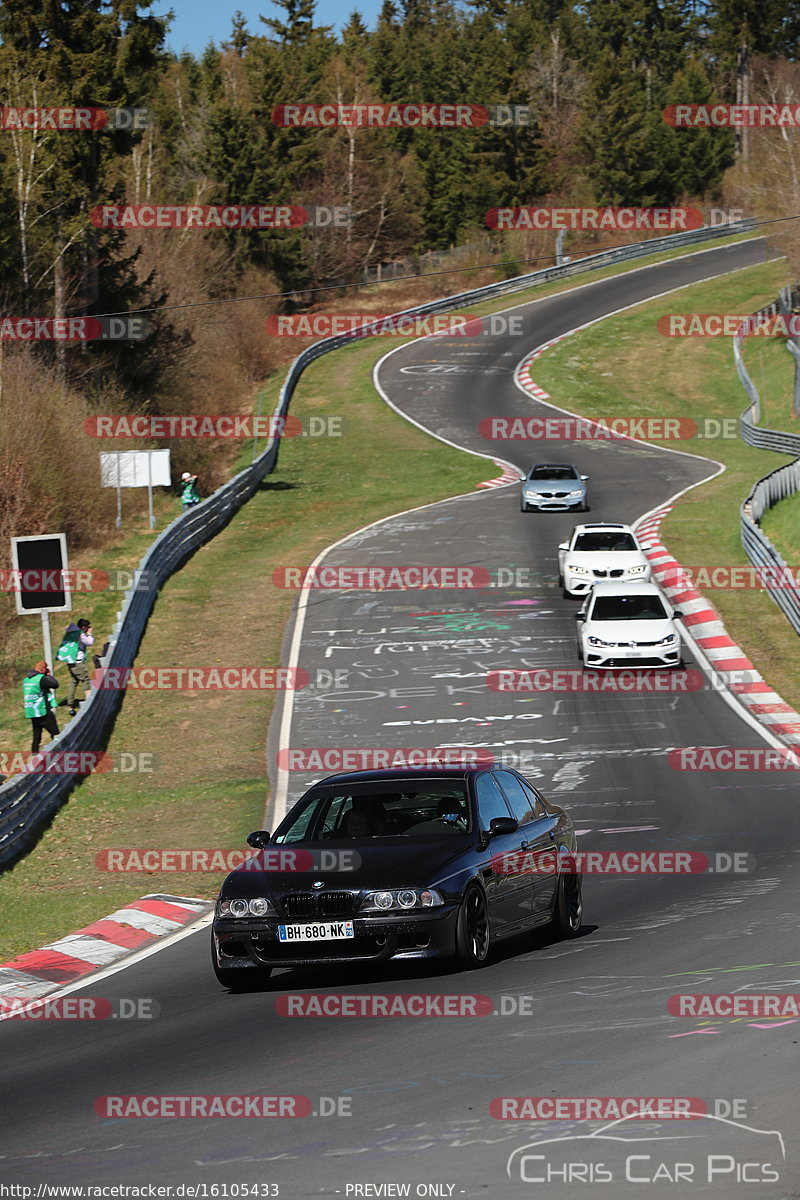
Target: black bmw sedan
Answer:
[[398, 864]]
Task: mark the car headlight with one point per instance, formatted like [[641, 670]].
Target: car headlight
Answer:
[[399, 899], [577, 492], [576, 570], [596, 641], [668, 640], [636, 570], [531, 492], [259, 906]]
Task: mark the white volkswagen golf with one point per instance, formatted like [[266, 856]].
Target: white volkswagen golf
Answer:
[[627, 625], [600, 551]]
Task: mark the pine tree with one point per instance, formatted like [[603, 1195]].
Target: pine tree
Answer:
[[298, 26]]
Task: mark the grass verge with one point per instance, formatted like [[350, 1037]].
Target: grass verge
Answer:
[[222, 609]]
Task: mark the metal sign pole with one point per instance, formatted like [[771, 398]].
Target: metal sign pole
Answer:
[[150, 489], [48, 645], [119, 491]]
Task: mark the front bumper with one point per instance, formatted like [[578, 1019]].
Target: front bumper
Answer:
[[254, 943], [630, 656], [581, 585], [555, 503]]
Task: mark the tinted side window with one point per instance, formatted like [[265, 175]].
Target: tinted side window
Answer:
[[490, 800], [535, 799], [300, 826], [522, 806]]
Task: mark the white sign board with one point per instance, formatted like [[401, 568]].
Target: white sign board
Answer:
[[135, 468]]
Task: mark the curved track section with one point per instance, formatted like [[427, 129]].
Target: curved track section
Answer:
[[589, 1018]]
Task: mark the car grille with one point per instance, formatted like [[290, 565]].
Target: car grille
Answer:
[[310, 905], [632, 645], [553, 495], [617, 573]]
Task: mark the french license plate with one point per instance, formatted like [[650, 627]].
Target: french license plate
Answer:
[[316, 931]]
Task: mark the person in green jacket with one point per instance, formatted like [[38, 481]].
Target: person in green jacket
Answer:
[[72, 651], [38, 697], [189, 493]]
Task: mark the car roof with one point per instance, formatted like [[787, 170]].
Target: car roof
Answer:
[[614, 587], [392, 774], [608, 526], [537, 466]]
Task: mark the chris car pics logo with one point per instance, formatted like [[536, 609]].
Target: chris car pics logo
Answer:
[[716, 1155]]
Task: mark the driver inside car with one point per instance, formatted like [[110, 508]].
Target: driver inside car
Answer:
[[366, 818]]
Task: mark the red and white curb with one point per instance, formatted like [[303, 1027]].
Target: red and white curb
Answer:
[[98, 945], [524, 371], [705, 628], [510, 475]]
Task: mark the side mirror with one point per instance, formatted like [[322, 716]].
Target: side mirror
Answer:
[[585, 478], [498, 826], [258, 840], [677, 615], [580, 616], [563, 545]]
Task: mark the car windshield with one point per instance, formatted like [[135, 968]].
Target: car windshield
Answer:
[[555, 472], [607, 541], [628, 608], [413, 808]]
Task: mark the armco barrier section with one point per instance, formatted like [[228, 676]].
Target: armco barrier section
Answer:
[[778, 485], [28, 801]]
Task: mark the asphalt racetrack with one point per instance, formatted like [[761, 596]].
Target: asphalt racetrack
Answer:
[[411, 1098]]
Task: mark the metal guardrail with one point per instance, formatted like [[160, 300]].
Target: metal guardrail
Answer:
[[28, 802], [778, 485], [777, 576]]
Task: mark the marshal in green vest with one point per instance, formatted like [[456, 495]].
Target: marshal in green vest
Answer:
[[37, 703]]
